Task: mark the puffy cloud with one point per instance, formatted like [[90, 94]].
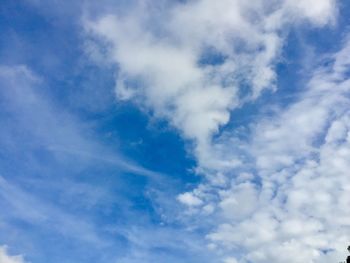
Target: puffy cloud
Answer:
[[302, 177], [193, 62], [239, 202], [6, 258], [279, 196], [318, 12], [189, 199]]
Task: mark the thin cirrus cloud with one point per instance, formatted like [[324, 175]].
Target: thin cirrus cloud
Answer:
[[36, 150], [51, 128], [38, 127], [287, 203]]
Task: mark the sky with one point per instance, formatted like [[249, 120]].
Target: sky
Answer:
[[192, 131]]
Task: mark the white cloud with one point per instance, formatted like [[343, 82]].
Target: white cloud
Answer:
[[6, 258], [288, 202], [161, 54], [317, 11], [189, 199], [302, 167]]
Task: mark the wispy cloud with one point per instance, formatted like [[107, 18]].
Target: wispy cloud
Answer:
[[29, 208], [49, 149], [55, 130]]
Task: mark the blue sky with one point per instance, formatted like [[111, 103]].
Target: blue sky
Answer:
[[174, 131]]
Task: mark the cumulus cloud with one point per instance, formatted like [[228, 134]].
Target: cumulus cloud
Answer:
[[300, 208], [193, 62], [279, 196], [6, 258], [189, 199]]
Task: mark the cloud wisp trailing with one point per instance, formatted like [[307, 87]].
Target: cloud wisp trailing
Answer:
[[47, 149], [51, 128]]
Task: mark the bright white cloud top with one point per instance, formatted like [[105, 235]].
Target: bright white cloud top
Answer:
[[162, 53], [288, 202], [6, 258], [298, 209]]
